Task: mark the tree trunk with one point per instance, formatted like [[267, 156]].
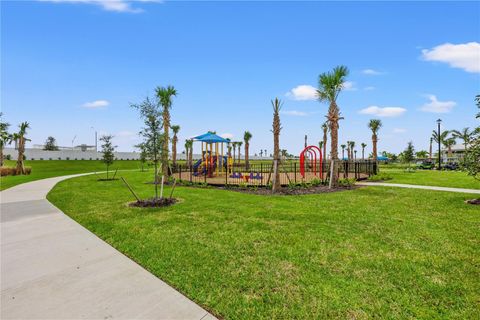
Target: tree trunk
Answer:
[[190, 157], [363, 153], [239, 154], [246, 155], [1, 156], [333, 118], [324, 145], [234, 155], [374, 147], [431, 149], [166, 128], [174, 150], [20, 169]]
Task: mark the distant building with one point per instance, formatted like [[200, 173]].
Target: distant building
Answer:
[[458, 152]]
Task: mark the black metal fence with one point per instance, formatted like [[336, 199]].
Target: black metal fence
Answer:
[[261, 174]]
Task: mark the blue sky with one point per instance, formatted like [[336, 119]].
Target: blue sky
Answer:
[[71, 65]]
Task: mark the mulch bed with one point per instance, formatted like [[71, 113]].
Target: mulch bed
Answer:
[[473, 201], [153, 203], [104, 179], [285, 191]]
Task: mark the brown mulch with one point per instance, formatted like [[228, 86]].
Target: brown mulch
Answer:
[[153, 203], [473, 201], [285, 191], [104, 179]]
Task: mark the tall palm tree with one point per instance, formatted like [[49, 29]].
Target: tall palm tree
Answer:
[[363, 150], [246, 137], [276, 128], [348, 149], [239, 145], [5, 137], [175, 130], [306, 144], [374, 125], [189, 151], [352, 147], [343, 150], [448, 143], [20, 138], [329, 86], [440, 138], [165, 95], [320, 146], [325, 131]]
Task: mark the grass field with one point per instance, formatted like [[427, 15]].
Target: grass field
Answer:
[[454, 179], [42, 169], [366, 253]]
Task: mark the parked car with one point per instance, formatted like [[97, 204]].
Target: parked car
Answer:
[[451, 166], [426, 165]]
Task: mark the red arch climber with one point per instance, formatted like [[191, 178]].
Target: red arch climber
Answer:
[[312, 152]]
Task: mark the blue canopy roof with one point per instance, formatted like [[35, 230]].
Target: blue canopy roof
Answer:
[[382, 158], [209, 138]]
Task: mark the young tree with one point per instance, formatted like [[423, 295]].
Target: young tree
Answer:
[[374, 125], [325, 134], [422, 154], [276, 128], [408, 154], [363, 150], [152, 133], [352, 147], [330, 84], [175, 130], [20, 138], [107, 150], [5, 137], [143, 158], [165, 96], [343, 146], [246, 137], [50, 144], [472, 158]]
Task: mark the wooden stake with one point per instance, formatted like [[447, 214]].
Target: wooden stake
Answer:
[[161, 188], [173, 188], [131, 190]]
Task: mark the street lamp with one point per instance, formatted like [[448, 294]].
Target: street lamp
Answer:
[[96, 150], [439, 121]]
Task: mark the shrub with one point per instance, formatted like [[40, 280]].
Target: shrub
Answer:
[[347, 182], [8, 157], [316, 182], [11, 171]]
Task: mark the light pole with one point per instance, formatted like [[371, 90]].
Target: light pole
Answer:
[[96, 150], [439, 121]]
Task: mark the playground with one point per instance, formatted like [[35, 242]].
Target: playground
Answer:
[[218, 167]]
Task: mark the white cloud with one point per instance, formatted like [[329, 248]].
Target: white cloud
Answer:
[[383, 112], [436, 106], [96, 104], [465, 56], [349, 86], [294, 113], [371, 72], [109, 5], [399, 130], [303, 92], [226, 135], [369, 88]]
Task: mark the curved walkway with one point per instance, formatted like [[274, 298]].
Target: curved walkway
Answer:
[[413, 186], [53, 268]]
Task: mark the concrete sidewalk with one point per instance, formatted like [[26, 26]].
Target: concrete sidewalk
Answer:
[[53, 268], [413, 186]]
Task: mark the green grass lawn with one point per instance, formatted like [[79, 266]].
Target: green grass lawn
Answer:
[[366, 253], [454, 179], [52, 168]]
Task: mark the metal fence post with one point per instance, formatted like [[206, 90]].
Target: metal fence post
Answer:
[[295, 171]]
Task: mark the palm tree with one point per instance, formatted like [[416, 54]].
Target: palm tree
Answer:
[[5, 137], [343, 150], [348, 149], [20, 138], [448, 143], [189, 151], [465, 135], [329, 86], [442, 136], [355, 157], [320, 145], [175, 130], [374, 125], [276, 128], [363, 150], [246, 137], [239, 145], [165, 96], [352, 146], [325, 131]]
